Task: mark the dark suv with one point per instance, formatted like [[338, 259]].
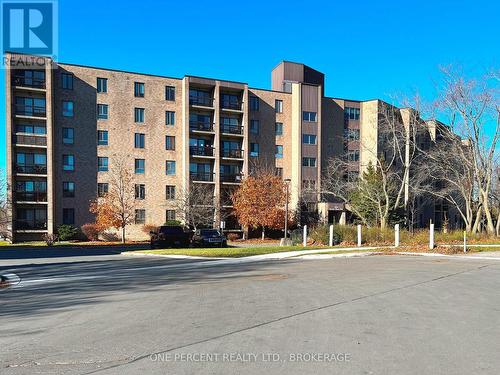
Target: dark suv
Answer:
[[170, 236], [209, 237]]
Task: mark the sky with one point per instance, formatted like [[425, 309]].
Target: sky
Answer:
[[366, 49]]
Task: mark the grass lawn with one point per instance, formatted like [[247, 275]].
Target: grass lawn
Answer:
[[226, 252]]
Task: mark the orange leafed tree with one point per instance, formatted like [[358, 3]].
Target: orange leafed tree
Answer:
[[116, 208], [260, 201]]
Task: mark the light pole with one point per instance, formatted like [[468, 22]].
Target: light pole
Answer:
[[287, 181]]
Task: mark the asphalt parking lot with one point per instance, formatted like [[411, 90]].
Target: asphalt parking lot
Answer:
[[113, 314]]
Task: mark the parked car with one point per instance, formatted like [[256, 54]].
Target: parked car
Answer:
[[209, 237], [170, 236]]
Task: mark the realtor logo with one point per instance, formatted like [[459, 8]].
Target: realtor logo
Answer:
[[29, 27]]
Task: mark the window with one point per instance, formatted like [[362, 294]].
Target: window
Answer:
[[102, 137], [278, 171], [170, 167], [170, 118], [68, 163], [102, 111], [30, 107], [102, 85], [102, 189], [170, 215], [278, 128], [309, 139], [68, 189], [170, 192], [102, 164], [68, 136], [254, 103], [254, 126], [31, 129], [140, 216], [353, 155], [67, 108], [278, 106], [309, 116], [169, 142], [254, 149], [69, 216], [170, 93], [279, 152], [140, 191], [140, 166], [67, 81], [309, 184], [139, 114], [309, 162], [351, 134], [139, 140], [351, 113], [139, 90]]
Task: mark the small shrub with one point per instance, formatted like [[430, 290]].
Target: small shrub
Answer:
[[172, 223], [148, 228], [49, 239], [233, 236], [66, 232], [321, 234], [91, 231]]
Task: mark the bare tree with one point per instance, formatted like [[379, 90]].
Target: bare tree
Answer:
[[392, 153], [196, 205], [461, 166], [117, 207], [5, 207]]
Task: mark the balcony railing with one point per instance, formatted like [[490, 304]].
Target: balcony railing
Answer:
[[31, 225], [31, 196], [38, 83], [32, 140], [202, 176], [30, 110], [201, 126], [31, 168], [238, 154], [230, 177], [204, 101], [231, 104], [201, 151], [231, 129]]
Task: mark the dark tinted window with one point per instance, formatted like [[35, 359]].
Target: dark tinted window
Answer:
[[209, 232], [171, 230]]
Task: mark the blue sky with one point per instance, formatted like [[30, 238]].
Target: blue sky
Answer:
[[367, 49]]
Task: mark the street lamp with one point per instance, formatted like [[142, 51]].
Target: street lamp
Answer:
[[287, 182]]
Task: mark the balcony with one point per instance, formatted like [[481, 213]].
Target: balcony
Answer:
[[31, 168], [232, 104], [31, 225], [201, 101], [201, 151], [30, 110], [231, 178], [231, 129], [29, 140], [202, 176], [31, 196], [33, 82], [235, 154], [201, 126]]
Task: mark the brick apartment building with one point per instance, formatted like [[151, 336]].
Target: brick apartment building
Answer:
[[66, 123]]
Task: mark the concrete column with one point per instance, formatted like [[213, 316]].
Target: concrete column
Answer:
[[359, 235], [431, 236], [330, 242], [396, 235], [304, 240]]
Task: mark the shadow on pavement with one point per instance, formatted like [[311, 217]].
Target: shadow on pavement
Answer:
[[27, 252]]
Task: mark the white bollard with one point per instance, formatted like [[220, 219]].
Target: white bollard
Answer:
[[330, 242], [304, 242], [431, 236], [465, 241], [359, 235], [396, 235]]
